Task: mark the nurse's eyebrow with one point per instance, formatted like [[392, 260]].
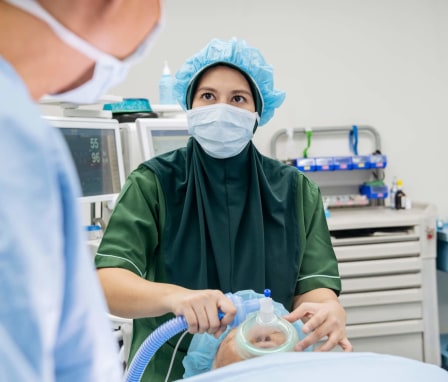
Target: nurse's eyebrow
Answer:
[[242, 91], [206, 89], [214, 90]]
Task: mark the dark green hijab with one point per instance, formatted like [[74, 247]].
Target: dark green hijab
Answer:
[[231, 223]]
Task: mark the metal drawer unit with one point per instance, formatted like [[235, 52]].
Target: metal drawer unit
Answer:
[[387, 265]]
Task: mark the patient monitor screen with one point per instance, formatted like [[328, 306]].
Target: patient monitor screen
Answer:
[[94, 152]]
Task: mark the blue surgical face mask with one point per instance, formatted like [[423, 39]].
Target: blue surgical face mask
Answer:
[[108, 72], [222, 130]]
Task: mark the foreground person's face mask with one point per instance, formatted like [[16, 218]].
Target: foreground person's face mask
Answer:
[[109, 71], [222, 130]]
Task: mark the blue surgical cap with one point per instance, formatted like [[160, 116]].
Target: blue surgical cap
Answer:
[[238, 54], [203, 347]]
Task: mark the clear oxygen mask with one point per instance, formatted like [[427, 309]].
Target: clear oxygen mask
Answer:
[[263, 333]]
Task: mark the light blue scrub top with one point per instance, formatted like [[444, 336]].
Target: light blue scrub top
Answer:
[[53, 321]]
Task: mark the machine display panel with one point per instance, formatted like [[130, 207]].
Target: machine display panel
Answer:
[[95, 146], [160, 135]]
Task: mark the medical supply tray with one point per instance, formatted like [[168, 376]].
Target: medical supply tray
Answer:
[[345, 174]]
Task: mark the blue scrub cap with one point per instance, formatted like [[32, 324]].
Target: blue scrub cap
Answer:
[[238, 54], [203, 347]]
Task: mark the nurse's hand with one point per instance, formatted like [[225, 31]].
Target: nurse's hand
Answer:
[[323, 320], [200, 309]]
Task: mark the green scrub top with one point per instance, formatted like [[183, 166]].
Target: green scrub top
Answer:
[[246, 222]]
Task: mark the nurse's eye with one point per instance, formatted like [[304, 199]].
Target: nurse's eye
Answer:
[[207, 96], [239, 99]]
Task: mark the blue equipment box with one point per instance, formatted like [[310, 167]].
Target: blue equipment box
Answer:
[[343, 163], [361, 162], [324, 164], [378, 161], [374, 191], [306, 164], [442, 249], [444, 350], [337, 163]]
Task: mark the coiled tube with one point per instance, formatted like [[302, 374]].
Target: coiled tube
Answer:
[[152, 343], [174, 326]]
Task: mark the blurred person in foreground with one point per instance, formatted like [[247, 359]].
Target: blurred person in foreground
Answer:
[[53, 321]]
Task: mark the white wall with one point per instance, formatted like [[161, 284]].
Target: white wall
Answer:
[[382, 63]]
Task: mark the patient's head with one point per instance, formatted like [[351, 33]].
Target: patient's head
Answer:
[[247, 340]]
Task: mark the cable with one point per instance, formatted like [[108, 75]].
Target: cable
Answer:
[[174, 354]]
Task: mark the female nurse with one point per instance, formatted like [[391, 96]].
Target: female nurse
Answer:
[[218, 216]]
